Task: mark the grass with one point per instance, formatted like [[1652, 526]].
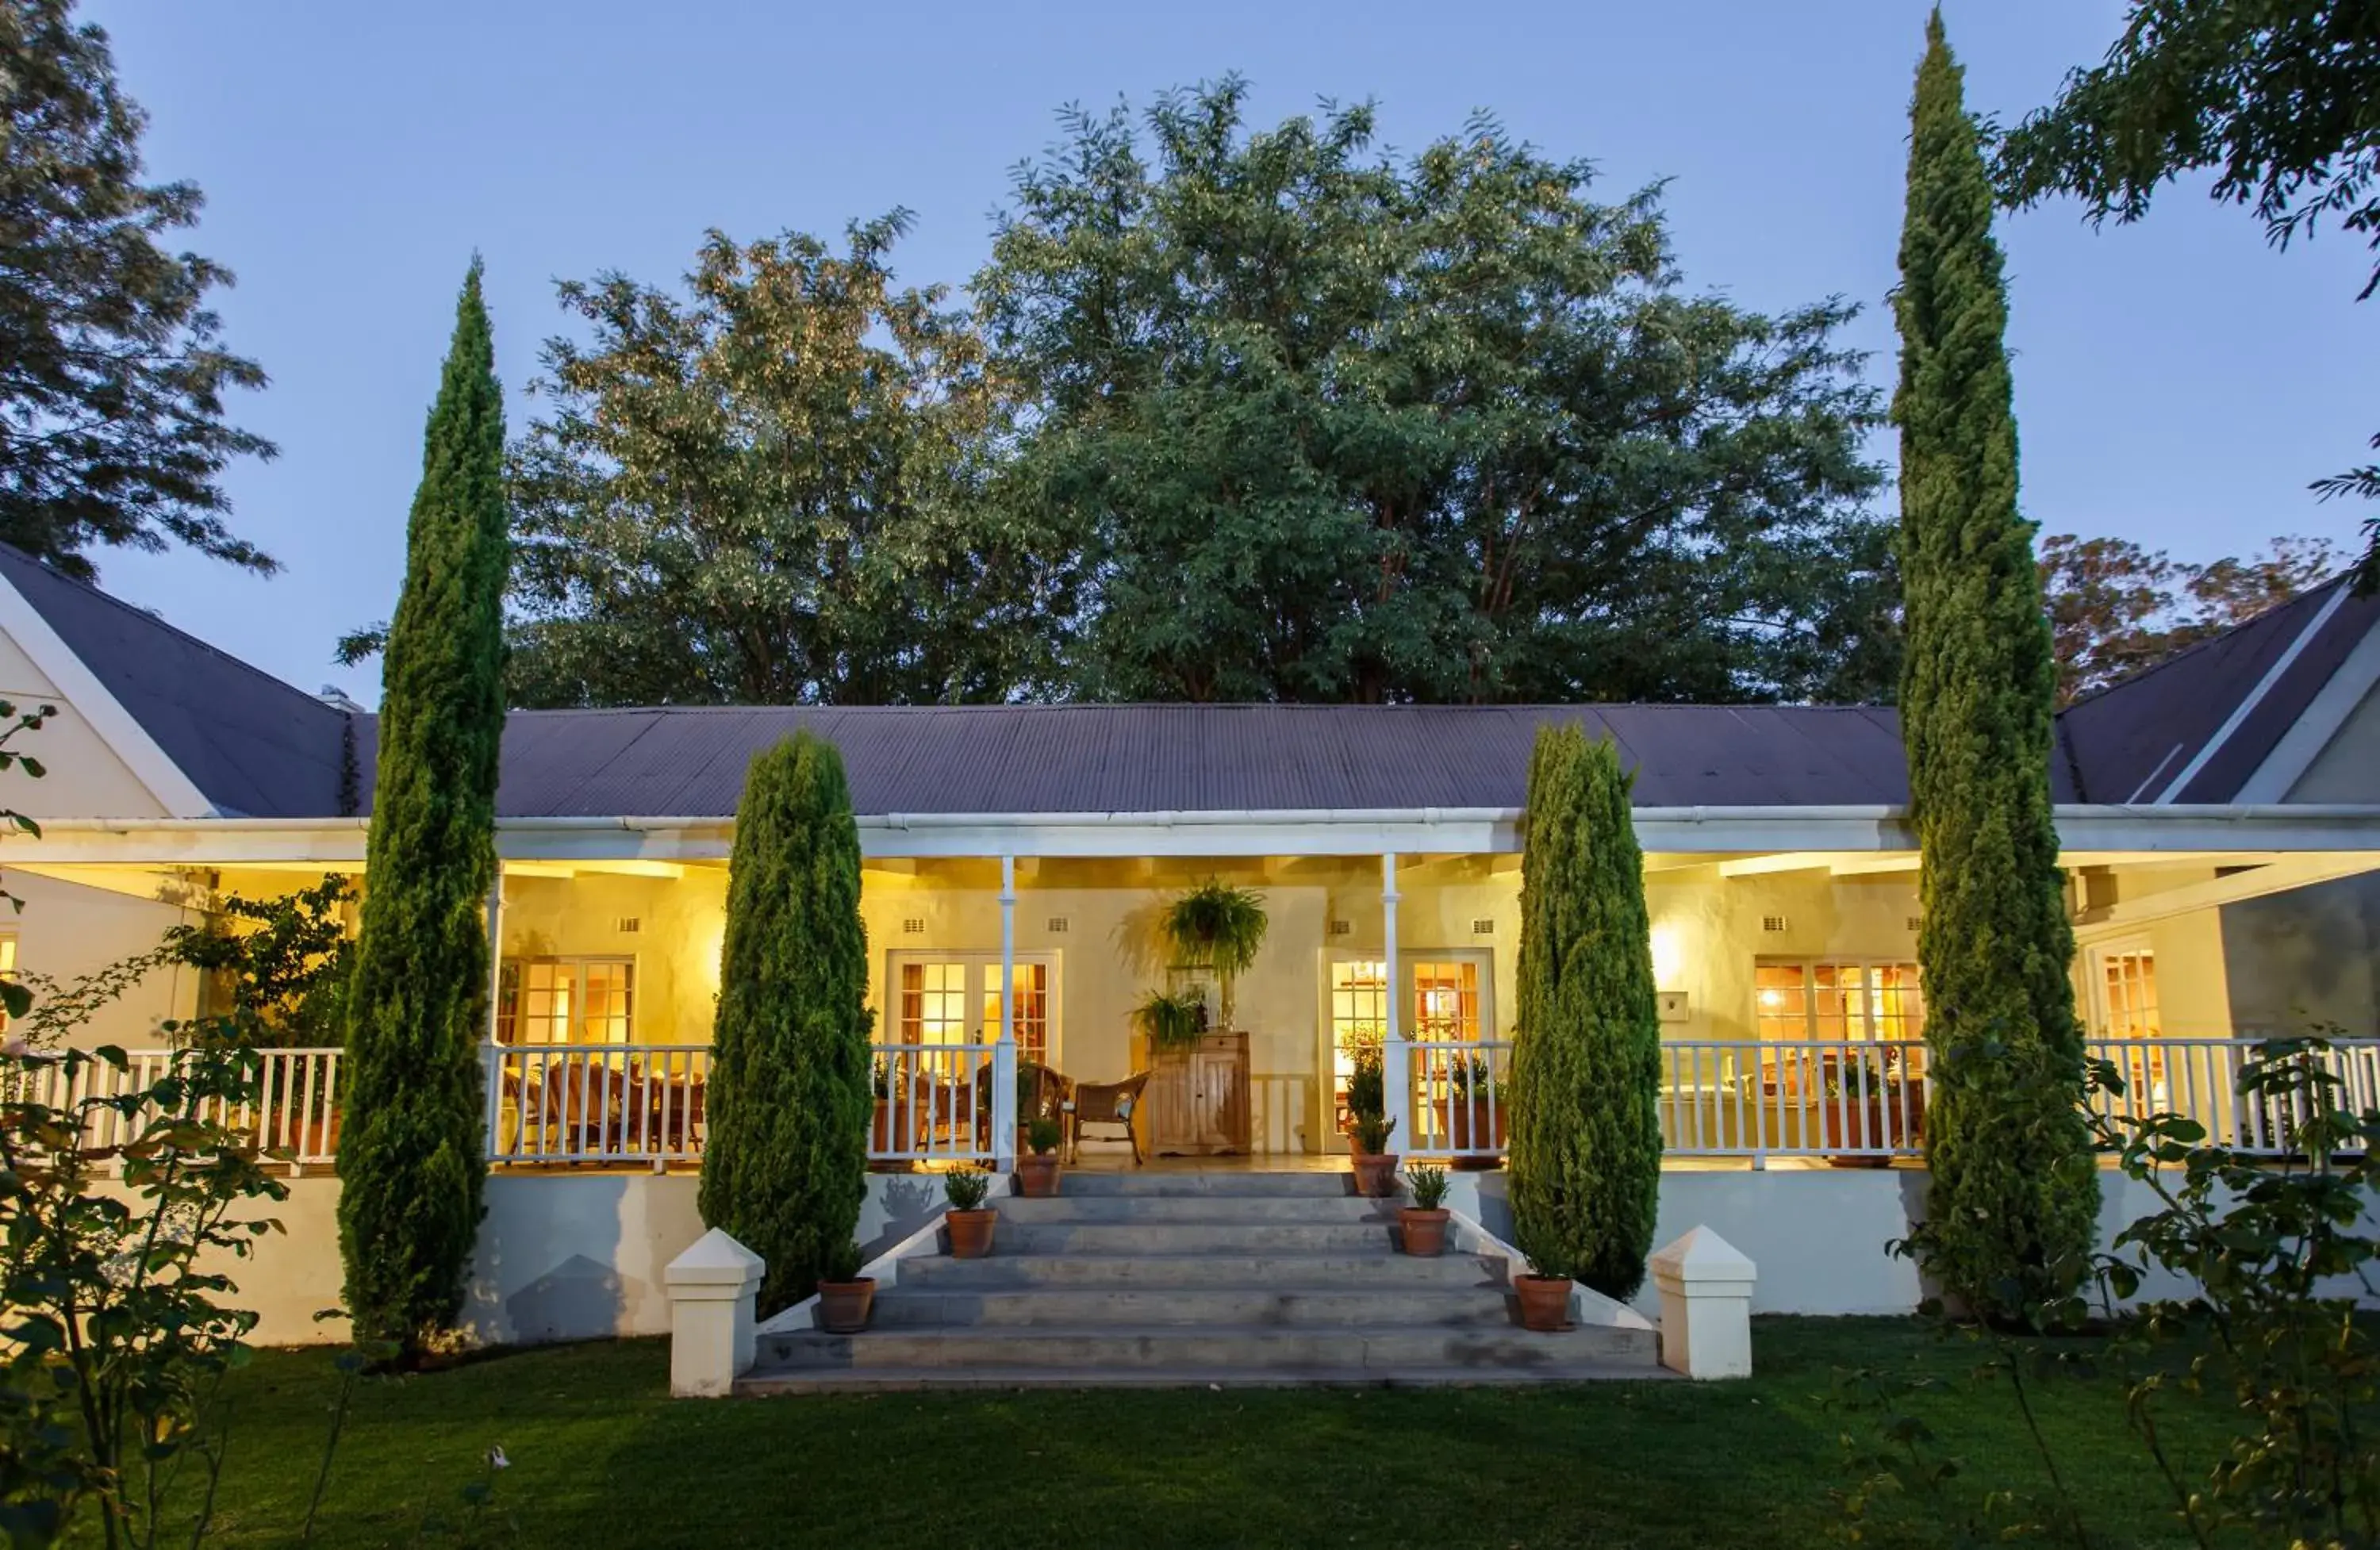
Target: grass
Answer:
[[599, 1457]]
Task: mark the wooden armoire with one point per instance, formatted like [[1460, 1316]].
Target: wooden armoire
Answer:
[[1197, 1099]]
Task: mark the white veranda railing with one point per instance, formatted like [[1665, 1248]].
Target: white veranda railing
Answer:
[[293, 1109], [597, 1103], [943, 1103]]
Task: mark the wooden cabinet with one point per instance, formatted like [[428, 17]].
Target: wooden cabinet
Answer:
[[1198, 1097]]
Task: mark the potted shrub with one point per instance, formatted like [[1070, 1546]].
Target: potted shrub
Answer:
[[1218, 927], [1544, 1295], [892, 1127], [844, 1295], [1422, 1225], [1870, 1101], [970, 1224], [1037, 1170], [1368, 1124], [1475, 1109]]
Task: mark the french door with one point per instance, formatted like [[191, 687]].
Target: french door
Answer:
[[1446, 997], [953, 997]]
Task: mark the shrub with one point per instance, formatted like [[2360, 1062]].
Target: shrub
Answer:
[[784, 1166], [1428, 1185], [1044, 1134], [967, 1187], [1585, 1153]]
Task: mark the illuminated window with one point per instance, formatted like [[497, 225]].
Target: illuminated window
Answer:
[[567, 1000], [1031, 1011], [1359, 1016], [953, 997], [1445, 1002], [933, 1003], [1836, 1000], [7, 965], [2127, 993]]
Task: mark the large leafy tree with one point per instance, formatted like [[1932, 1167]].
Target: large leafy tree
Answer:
[[112, 375], [1335, 426], [2014, 1194], [2274, 96], [1586, 1123], [784, 1165], [770, 489], [411, 1152], [2117, 609]]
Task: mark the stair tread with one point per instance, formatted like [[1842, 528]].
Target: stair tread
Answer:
[[1206, 1331], [764, 1380]]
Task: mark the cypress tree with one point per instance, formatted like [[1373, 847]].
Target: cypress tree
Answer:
[[784, 1165], [2014, 1195], [1585, 1122], [412, 1154]]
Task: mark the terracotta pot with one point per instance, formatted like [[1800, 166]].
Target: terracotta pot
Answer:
[[1878, 1121], [1036, 1175], [1375, 1175], [1424, 1231], [1545, 1301], [891, 1130], [970, 1232], [842, 1305], [1465, 1117]]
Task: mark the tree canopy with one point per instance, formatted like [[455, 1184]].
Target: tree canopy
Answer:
[[769, 491], [112, 375], [2117, 609], [1330, 425], [2274, 96]]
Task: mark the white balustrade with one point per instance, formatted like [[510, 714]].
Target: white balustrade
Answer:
[[292, 1111], [941, 1103], [597, 1103], [1456, 1094]]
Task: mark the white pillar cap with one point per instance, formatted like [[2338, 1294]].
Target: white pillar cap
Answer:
[[714, 1260], [1702, 1258]]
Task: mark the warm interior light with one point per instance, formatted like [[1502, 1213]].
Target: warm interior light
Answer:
[[1771, 1000], [1669, 956]]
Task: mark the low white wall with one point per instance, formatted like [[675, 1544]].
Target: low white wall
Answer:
[[561, 1256]]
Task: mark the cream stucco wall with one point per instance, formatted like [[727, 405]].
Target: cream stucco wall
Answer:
[[85, 779]]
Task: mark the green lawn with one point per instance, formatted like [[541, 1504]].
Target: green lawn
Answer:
[[601, 1457]]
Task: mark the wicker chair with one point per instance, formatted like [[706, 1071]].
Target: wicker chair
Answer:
[[1110, 1103]]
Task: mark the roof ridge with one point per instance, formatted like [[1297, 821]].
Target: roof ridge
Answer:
[[157, 620]]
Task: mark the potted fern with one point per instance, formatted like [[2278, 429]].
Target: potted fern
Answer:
[[1220, 927], [970, 1224], [1422, 1225], [1169, 1021], [1037, 1171]]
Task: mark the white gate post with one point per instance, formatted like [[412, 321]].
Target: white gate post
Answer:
[[1706, 1287], [714, 1292]]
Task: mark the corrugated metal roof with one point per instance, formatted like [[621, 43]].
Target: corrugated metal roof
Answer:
[[253, 745], [256, 746]]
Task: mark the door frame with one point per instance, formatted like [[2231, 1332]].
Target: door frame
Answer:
[[1326, 1044], [976, 961]]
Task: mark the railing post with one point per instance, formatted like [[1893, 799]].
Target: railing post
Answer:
[[1003, 1054], [1396, 1062]]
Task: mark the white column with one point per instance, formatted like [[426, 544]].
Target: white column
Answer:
[[1003, 1059], [1396, 1062], [493, 1061], [1706, 1287], [714, 1292]]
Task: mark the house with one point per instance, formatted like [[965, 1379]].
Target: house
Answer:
[[2220, 818]]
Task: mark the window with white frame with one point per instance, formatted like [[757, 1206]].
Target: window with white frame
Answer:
[[1837, 1000], [567, 1000], [1446, 1002], [2125, 990], [953, 997]]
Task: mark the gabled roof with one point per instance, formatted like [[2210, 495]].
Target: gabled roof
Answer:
[[2194, 727], [254, 747]]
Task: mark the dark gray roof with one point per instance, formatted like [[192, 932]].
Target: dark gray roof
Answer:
[[254, 747], [2129, 741], [1115, 759]]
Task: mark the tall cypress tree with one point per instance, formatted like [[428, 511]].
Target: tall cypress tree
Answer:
[[1586, 1124], [785, 1164], [412, 1153], [2014, 1194]]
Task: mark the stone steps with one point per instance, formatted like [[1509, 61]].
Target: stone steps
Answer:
[[1188, 1346], [1328, 1305], [1166, 1278]]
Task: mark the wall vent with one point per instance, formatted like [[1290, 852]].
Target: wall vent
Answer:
[[1341, 929], [628, 925], [913, 926], [1057, 925], [1915, 923], [1775, 922], [1483, 926]]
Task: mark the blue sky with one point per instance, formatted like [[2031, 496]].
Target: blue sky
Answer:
[[2177, 382]]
